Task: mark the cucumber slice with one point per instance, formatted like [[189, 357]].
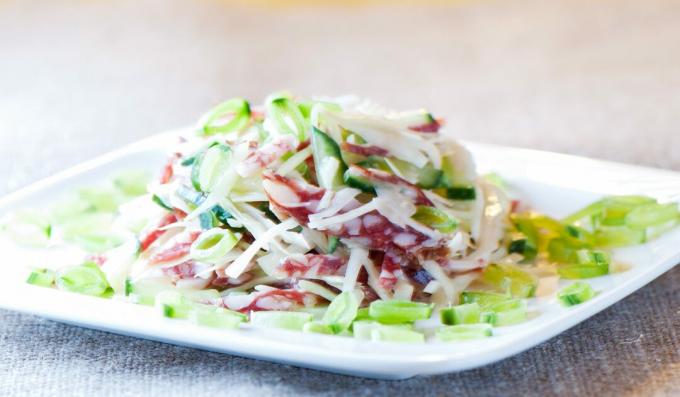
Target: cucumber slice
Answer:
[[375, 162], [144, 291], [132, 183], [172, 304], [429, 177], [162, 203], [454, 173], [462, 193], [362, 329], [512, 278], [207, 220], [467, 313], [221, 214], [362, 314], [354, 178], [399, 311], [483, 298], [100, 199], [390, 334], [527, 246], [333, 242], [435, 218], [585, 264], [458, 333], [41, 278], [317, 327], [416, 118], [192, 197], [576, 271], [510, 312], [216, 317], [28, 228], [342, 311], [575, 294], [621, 236], [86, 279], [327, 160], [294, 321]]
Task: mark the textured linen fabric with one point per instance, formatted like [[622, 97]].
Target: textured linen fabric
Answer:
[[594, 78]]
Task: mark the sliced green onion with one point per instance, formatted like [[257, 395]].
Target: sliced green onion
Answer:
[[27, 227], [463, 332], [467, 313], [213, 244], [575, 293], [214, 122], [435, 218], [652, 215], [132, 183], [287, 117], [399, 311], [390, 334], [87, 279], [217, 317], [41, 278], [317, 327], [342, 311], [294, 321], [209, 168], [510, 312], [511, 277]]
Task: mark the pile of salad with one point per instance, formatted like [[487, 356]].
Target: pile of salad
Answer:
[[332, 216]]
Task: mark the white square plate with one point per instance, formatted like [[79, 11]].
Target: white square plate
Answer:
[[552, 183]]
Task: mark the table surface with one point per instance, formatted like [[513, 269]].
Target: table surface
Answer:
[[594, 78]]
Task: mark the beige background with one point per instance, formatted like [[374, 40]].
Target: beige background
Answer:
[[594, 78]]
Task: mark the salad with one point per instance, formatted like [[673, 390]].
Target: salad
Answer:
[[331, 216]]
